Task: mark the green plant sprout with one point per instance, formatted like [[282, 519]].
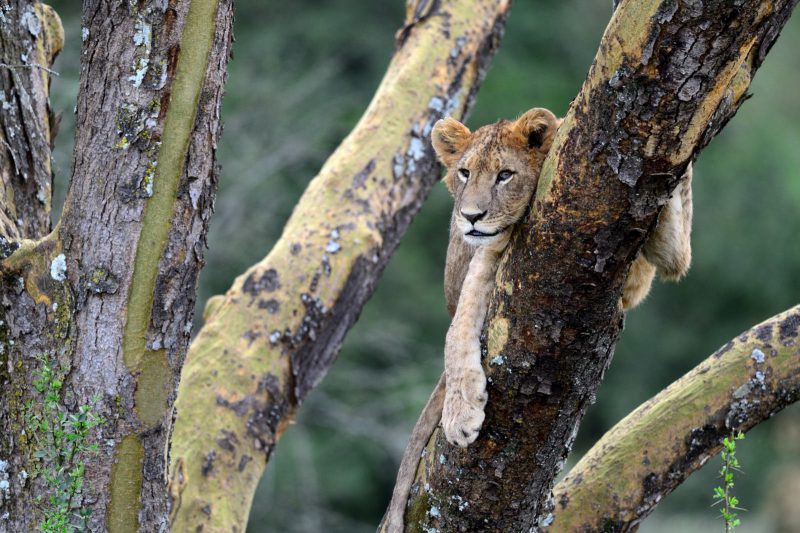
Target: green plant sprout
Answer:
[[61, 444], [723, 495]]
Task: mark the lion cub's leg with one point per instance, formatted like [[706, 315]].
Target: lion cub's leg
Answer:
[[669, 247], [668, 250], [637, 285], [465, 393]]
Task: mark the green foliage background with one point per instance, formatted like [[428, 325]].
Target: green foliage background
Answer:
[[302, 73]]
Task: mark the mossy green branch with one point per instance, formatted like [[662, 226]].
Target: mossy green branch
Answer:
[[652, 450], [272, 337]]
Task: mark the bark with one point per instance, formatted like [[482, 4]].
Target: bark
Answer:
[[30, 37], [643, 458], [666, 78], [272, 337], [98, 312]]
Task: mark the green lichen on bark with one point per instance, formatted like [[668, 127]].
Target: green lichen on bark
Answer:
[[126, 486], [53, 439], [416, 511], [152, 394], [197, 37], [496, 336]]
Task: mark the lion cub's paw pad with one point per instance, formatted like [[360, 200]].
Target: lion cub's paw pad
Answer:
[[461, 421]]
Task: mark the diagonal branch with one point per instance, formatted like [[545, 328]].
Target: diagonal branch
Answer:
[[651, 451], [273, 336], [666, 78]]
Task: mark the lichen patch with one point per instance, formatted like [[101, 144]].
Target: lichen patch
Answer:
[[58, 268]]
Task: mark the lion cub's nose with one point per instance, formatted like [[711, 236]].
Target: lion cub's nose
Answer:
[[473, 217]]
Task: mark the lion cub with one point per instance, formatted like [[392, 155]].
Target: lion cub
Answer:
[[492, 174]]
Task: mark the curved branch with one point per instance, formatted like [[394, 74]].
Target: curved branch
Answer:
[[666, 78], [651, 451], [273, 336]]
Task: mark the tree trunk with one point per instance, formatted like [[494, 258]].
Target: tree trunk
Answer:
[[273, 336], [97, 313], [643, 458], [666, 78]]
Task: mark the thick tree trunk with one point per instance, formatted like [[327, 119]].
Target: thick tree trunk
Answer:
[[97, 313], [643, 458], [272, 337], [667, 77]]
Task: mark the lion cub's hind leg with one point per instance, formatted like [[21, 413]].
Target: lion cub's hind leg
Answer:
[[669, 247], [668, 250], [637, 285]]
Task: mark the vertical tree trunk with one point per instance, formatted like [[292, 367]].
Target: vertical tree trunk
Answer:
[[273, 336], [97, 313], [667, 77]]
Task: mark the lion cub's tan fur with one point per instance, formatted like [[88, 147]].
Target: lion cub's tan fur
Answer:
[[492, 175]]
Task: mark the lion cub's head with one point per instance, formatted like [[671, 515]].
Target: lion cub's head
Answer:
[[493, 172]]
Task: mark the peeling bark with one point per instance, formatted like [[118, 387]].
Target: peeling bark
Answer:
[[666, 78], [643, 458], [105, 301], [273, 336]]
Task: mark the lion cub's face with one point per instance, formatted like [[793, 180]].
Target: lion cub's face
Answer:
[[492, 173]]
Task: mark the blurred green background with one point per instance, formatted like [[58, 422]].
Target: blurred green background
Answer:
[[302, 73]]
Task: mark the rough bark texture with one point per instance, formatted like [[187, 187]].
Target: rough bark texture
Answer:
[[643, 458], [272, 337], [666, 78], [104, 302], [30, 37]]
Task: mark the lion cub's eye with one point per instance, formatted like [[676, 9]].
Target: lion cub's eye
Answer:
[[463, 174], [504, 176]]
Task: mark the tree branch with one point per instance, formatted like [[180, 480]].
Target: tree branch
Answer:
[[272, 337], [30, 38], [651, 451], [666, 78]]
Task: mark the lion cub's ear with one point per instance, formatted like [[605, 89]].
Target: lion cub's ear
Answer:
[[449, 138], [536, 128]]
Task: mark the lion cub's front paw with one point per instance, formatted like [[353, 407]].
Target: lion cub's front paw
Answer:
[[464, 400]]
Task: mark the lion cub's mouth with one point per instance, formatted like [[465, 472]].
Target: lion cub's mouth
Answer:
[[476, 233]]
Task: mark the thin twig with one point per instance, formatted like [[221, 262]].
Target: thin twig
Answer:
[[32, 65]]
